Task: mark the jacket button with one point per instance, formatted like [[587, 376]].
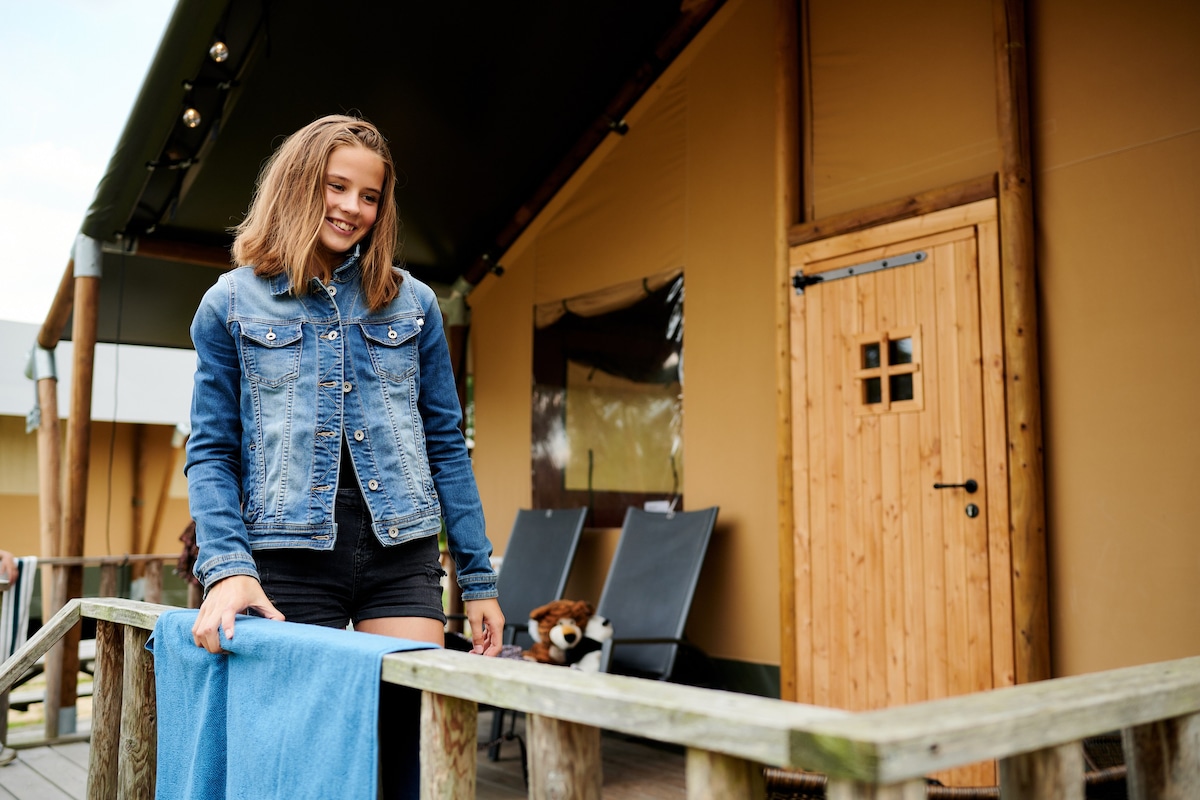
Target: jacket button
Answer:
[[359, 436], [332, 291], [373, 485], [332, 335], [347, 386], [393, 532]]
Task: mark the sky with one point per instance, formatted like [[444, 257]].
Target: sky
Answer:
[[70, 71]]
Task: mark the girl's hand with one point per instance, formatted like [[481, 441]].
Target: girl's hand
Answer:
[[487, 626], [226, 599]]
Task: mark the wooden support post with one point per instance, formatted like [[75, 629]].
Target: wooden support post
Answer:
[[108, 580], [449, 727], [714, 776], [79, 439], [50, 529], [788, 199], [838, 789], [1055, 773], [564, 760], [49, 486], [106, 711], [137, 513], [1163, 759], [153, 577], [1027, 496], [139, 720]]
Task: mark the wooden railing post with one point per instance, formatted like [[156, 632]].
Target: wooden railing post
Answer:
[[564, 760], [153, 577], [106, 711], [1055, 773], [714, 776], [139, 728], [108, 584], [854, 790], [449, 727], [1163, 759]]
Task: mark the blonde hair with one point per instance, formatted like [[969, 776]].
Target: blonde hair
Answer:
[[282, 226]]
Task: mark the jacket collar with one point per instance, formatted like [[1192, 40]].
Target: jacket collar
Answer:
[[281, 284]]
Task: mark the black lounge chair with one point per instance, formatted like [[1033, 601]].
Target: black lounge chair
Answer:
[[648, 594], [536, 565]]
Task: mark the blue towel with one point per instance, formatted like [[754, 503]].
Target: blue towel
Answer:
[[291, 712]]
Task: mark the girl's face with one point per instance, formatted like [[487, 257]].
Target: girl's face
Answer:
[[353, 188]]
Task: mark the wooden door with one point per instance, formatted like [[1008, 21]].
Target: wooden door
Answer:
[[903, 590]]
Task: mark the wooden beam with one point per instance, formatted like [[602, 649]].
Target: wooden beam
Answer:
[[138, 512], [49, 482], [958, 194], [79, 441], [787, 204], [186, 252], [60, 310], [804, 93], [1031, 606]]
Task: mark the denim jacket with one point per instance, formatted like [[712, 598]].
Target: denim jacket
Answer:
[[279, 377]]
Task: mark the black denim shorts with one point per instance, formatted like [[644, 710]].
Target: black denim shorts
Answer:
[[359, 579]]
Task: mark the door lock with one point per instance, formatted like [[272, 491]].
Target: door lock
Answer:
[[971, 486]]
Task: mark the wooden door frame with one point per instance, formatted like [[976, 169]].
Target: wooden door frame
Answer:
[[1012, 185]]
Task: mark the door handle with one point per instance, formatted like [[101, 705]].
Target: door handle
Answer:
[[971, 486]]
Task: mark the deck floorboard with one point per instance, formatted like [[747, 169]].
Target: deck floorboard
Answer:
[[633, 770]]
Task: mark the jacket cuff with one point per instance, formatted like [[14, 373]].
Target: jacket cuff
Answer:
[[219, 568], [480, 593], [478, 587]]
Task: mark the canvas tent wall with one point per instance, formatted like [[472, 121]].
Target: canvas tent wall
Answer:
[[902, 100]]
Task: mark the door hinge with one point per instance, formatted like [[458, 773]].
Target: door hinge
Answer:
[[800, 281]]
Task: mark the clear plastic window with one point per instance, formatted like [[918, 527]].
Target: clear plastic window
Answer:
[[608, 408]]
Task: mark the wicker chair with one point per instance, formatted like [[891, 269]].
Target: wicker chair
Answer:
[[1104, 778]]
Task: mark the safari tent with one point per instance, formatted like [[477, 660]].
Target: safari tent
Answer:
[[924, 244]]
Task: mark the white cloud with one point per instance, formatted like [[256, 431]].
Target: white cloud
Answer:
[[72, 69]]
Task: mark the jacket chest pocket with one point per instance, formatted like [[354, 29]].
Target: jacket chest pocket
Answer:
[[393, 347], [271, 353]]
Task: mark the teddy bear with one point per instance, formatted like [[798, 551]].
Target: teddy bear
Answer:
[[569, 633]]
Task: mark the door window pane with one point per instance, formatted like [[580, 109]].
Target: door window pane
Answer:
[[901, 387], [872, 391], [870, 356], [900, 351]]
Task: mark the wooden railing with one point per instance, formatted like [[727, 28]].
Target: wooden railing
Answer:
[[1034, 730], [62, 665]]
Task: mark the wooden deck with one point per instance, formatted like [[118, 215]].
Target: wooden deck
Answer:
[[46, 773], [633, 770]]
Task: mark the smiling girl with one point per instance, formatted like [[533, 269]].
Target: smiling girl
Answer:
[[325, 451]]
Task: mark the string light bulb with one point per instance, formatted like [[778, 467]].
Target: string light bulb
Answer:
[[219, 51], [191, 117]]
